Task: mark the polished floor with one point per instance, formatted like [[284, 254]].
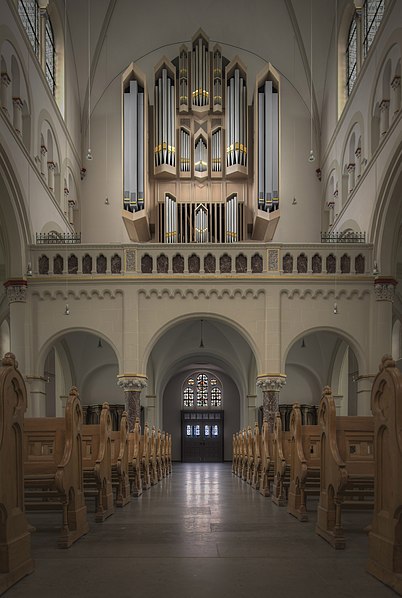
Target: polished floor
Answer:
[[201, 532]]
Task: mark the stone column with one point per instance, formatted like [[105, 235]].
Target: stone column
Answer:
[[17, 115], [50, 175], [16, 290], [43, 161], [358, 168], [37, 396], [43, 4], [364, 383], [396, 96], [331, 206], [351, 177], [150, 410], [132, 384], [4, 90], [251, 410], [71, 206], [271, 385], [384, 117]]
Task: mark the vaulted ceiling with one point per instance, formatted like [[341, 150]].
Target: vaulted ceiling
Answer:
[[276, 31]]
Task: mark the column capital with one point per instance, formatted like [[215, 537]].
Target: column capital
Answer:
[[331, 204], [43, 150], [18, 102], [384, 288], [271, 382], [351, 167], [51, 165], [130, 382], [5, 79], [384, 105], [16, 289], [396, 81], [358, 152]]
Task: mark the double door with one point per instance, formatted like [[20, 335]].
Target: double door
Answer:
[[202, 436]]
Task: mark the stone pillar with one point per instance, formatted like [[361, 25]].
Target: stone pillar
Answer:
[[351, 177], [71, 206], [384, 117], [384, 291], [364, 383], [395, 96], [42, 31], [61, 406], [132, 384], [17, 115], [4, 91], [16, 290], [50, 175], [37, 396], [358, 168], [331, 206], [43, 161], [251, 410], [150, 415], [271, 385]]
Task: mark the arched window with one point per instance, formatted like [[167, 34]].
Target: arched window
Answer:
[[202, 390], [39, 30], [362, 30], [373, 14], [50, 56], [351, 56]]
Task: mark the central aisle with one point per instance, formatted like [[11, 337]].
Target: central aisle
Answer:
[[201, 532]]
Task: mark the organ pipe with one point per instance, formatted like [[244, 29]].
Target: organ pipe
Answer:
[[216, 151], [231, 219], [170, 219], [200, 73], [236, 120], [268, 147], [165, 120], [201, 155], [133, 109], [184, 151], [201, 224]]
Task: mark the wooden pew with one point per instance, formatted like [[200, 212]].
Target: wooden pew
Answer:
[[347, 468], [281, 458], [169, 453], [385, 537], [97, 464], [267, 462], [120, 476], [53, 473], [153, 465], [235, 455], [304, 464], [256, 472], [15, 538], [145, 460], [135, 459]]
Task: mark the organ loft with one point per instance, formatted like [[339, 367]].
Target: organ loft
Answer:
[[200, 308]]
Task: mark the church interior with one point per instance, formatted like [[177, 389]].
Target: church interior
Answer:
[[200, 311]]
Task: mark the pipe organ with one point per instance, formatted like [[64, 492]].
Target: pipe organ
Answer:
[[134, 147], [227, 150], [268, 150]]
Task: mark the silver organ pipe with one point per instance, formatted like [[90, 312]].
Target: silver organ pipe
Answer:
[[170, 219], [185, 151], [216, 151], [217, 79], [165, 120], [201, 224], [201, 155], [200, 73], [133, 148], [268, 148], [231, 219], [236, 120], [183, 77]]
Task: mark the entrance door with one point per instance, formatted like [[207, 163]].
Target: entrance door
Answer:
[[202, 436]]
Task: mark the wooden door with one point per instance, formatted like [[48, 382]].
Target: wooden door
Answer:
[[202, 436]]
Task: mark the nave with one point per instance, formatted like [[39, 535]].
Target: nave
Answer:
[[200, 531]]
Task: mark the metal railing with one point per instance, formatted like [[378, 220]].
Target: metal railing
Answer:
[[58, 238], [343, 238]]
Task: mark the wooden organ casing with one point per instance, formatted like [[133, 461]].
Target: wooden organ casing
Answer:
[[202, 150]]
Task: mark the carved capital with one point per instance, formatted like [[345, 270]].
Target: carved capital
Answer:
[[336, 193], [272, 383], [131, 382], [395, 83], [384, 105], [16, 290], [51, 166], [331, 205], [5, 79], [43, 150], [384, 289], [351, 167], [358, 153], [18, 103]]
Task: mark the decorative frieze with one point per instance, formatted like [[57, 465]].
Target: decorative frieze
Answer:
[[130, 261], [273, 260]]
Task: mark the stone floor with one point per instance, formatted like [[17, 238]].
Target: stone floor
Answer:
[[201, 532]]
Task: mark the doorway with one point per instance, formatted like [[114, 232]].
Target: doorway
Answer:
[[202, 436]]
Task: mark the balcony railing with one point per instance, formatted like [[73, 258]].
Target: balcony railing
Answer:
[[343, 238], [154, 259]]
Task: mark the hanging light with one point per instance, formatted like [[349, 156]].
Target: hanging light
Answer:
[[89, 152], [335, 307], [375, 269], [107, 201], [294, 201], [311, 157], [201, 339], [100, 343], [29, 269], [66, 310], [303, 344]]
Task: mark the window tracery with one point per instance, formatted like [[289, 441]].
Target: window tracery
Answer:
[[202, 390]]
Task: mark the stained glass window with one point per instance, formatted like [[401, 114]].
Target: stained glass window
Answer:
[[28, 11], [188, 431], [197, 430], [202, 390], [373, 14], [207, 431], [215, 430]]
